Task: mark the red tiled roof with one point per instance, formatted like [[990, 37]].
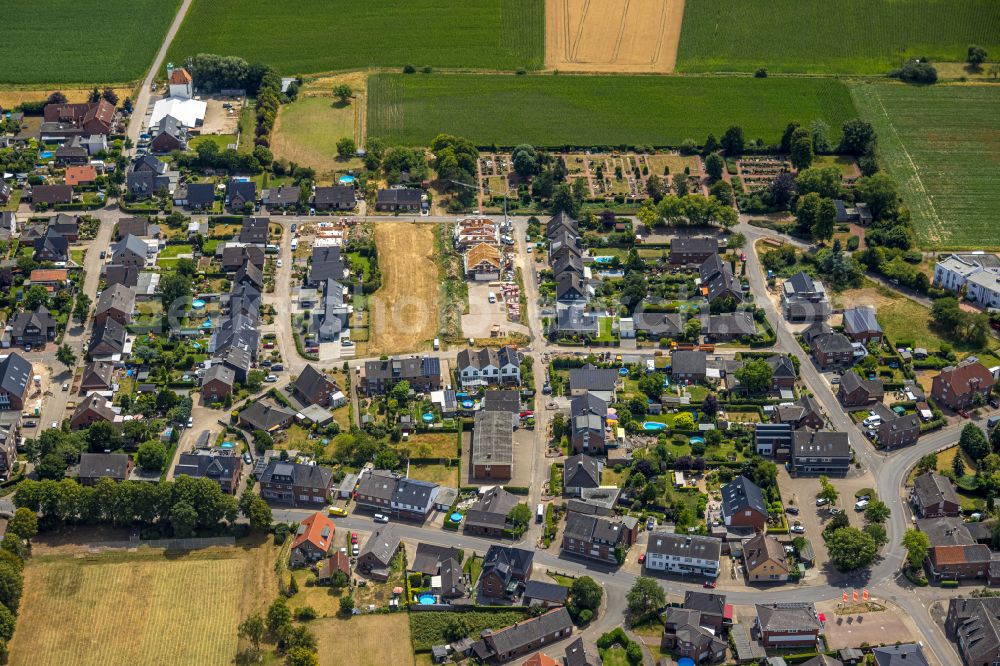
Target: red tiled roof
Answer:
[[80, 174], [314, 532], [180, 76], [49, 275]]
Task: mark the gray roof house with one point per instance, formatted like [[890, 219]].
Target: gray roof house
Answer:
[[581, 471], [376, 555]]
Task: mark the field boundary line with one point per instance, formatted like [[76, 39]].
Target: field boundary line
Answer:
[[621, 32], [935, 219], [659, 33], [579, 29]]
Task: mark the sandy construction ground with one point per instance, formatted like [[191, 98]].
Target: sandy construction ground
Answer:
[[620, 36], [404, 312]]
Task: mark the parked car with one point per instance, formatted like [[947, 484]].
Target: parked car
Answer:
[[277, 367], [792, 510], [190, 422], [30, 424], [650, 523], [642, 558], [65, 386], [381, 518], [822, 501], [355, 550], [861, 505], [247, 459], [271, 378], [710, 584], [354, 537], [798, 529], [337, 511], [835, 511]]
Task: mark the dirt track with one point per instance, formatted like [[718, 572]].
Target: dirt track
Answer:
[[404, 311], [627, 36]]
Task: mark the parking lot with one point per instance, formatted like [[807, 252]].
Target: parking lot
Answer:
[[801, 493], [483, 315]]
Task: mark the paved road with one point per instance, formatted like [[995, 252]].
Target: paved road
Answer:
[[141, 103]]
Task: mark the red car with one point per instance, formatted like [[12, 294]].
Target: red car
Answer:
[[354, 537], [527, 414], [710, 584], [642, 558]]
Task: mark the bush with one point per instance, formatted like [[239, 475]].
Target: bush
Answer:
[[428, 629], [281, 532], [305, 614], [853, 243]]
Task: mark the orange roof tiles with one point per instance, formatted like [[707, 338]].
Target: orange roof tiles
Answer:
[[180, 76], [76, 175], [317, 529]]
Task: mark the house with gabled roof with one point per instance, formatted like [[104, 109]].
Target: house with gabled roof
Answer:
[[98, 376], [718, 281], [95, 408], [505, 571], [130, 251], [933, 496], [744, 505], [314, 387], [15, 378], [96, 466], [861, 325], [492, 454], [378, 552], [482, 262], [338, 197], [957, 386], [239, 194], [488, 516], [108, 339], [295, 483], [33, 328], [581, 471], [692, 249], [118, 303], [503, 645], [856, 391], [217, 383], [489, 366], [597, 537], [262, 415], [313, 540], [804, 299], [224, 470], [765, 560]]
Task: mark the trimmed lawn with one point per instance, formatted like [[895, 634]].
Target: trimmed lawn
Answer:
[[902, 319], [564, 110], [342, 34], [174, 251], [220, 140], [440, 474], [473, 565], [614, 656]]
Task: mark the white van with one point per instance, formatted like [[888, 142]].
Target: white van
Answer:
[[437, 344], [493, 297], [861, 505]]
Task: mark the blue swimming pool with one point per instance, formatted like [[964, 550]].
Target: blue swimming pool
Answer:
[[653, 425], [697, 440], [623, 372], [455, 517], [47, 154], [197, 304], [227, 445], [426, 599], [347, 180], [603, 260], [428, 417], [468, 404]]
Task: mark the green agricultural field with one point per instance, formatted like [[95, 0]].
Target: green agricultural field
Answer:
[[596, 110], [303, 36], [845, 37], [942, 145], [59, 41]]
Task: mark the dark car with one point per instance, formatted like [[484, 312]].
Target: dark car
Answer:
[[793, 510]]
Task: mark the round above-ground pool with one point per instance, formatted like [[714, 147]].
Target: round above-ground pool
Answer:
[[347, 180], [653, 425], [623, 371], [697, 440], [428, 417], [455, 517], [468, 404], [426, 599], [685, 661], [197, 304]]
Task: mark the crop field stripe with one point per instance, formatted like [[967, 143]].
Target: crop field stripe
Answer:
[[59, 41], [816, 36], [596, 110], [942, 145], [346, 34]]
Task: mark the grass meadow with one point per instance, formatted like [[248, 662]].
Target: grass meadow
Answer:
[[139, 608], [303, 36], [62, 41], [308, 129], [845, 37], [942, 146], [595, 110]]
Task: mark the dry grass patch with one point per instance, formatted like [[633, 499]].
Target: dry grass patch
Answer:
[[434, 445], [11, 97], [140, 608], [445, 475], [403, 313], [365, 640]]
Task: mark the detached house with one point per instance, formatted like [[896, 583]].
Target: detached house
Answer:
[[378, 552], [504, 645], [743, 505], [337, 197], [957, 386], [787, 625], [33, 329], [832, 351], [598, 538], [804, 299], [861, 325], [50, 195], [239, 194], [148, 176], [683, 553], [116, 303], [718, 281], [933, 496], [588, 423], [505, 571], [423, 374], [314, 387], [489, 366], [692, 250], [600, 382], [821, 452], [482, 263], [492, 445], [696, 630], [488, 516], [854, 391], [580, 472], [130, 251], [765, 560], [690, 366], [97, 466], [15, 377], [224, 470], [313, 540], [95, 408]]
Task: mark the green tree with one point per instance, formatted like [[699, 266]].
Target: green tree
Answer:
[[684, 421], [252, 629], [878, 533], [644, 597], [152, 455], [857, 137], [585, 593], [259, 515], [564, 201], [927, 463], [401, 391], [958, 466], [756, 376], [917, 545], [7, 622], [346, 148], [850, 548], [520, 515], [655, 188], [801, 154], [174, 289], [652, 384], [81, 308], [11, 585], [827, 491], [35, 297], [278, 615], [183, 519], [301, 656], [343, 93], [346, 605], [826, 215], [525, 160], [877, 511], [733, 140], [976, 56], [714, 165], [24, 524], [66, 356], [974, 442]]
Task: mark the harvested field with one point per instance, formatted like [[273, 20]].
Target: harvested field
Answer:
[[131, 608], [14, 96], [403, 313], [638, 36], [370, 640]]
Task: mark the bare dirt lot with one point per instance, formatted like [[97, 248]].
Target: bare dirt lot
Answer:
[[403, 313], [628, 36], [872, 627], [483, 314], [219, 119]]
